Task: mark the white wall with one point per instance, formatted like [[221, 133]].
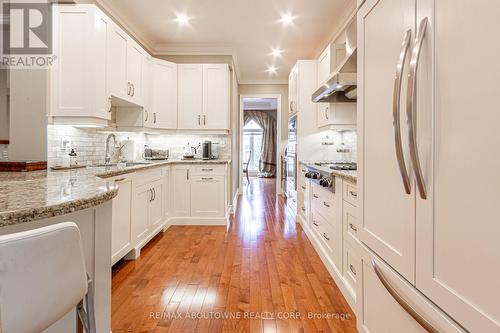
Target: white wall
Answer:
[[28, 115]]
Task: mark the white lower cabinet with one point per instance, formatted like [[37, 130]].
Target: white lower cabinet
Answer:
[[378, 311], [142, 200], [180, 184], [207, 196], [121, 241]]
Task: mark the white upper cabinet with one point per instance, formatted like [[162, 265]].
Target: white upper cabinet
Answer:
[[293, 98], [216, 96], [190, 85], [203, 96], [163, 94], [335, 115], [117, 63], [125, 60], [78, 79]]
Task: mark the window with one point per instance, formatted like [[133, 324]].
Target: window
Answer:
[[252, 144]]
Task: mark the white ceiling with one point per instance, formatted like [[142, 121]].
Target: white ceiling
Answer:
[[246, 29]]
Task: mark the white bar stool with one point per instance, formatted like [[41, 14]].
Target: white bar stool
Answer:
[[42, 278]]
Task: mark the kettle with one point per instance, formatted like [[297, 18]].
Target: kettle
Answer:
[[188, 151]]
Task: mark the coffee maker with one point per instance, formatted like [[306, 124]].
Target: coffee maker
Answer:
[[207, 150]]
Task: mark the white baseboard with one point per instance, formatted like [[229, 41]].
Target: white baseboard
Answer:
[[197, 221]]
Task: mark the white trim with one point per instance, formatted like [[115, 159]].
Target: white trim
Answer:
[[279, 142], [197, 221]]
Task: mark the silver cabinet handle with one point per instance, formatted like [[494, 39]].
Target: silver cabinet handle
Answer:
[[151, 195], [110, 104], [147, 115], [326, 112], [303, 208], [154, 117], [199, 120], [119, 180], [325, 204], [303, 187], [207, 178], [325, 236], [353, 227], [133, 89], [352, 269], [315, 196], [396, 113], [207, 169], [291, 105], [154, 194], [204, 120], [411, 107], [129, 88], [316, 223], [401, 301], [187, 174], [354, 194]]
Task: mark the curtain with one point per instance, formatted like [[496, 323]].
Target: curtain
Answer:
[[267, 161]]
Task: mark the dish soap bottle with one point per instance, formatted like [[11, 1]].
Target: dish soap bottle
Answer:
[[73, 158]]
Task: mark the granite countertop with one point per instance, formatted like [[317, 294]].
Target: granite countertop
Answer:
[[30, 196], [350, 175]]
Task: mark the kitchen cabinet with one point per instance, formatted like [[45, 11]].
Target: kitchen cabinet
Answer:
[[121, 242], [163, 95], [78, 92], [190, 85], [125, 60], [293, 90], [334, 115], [216, 96], [207, 196], [203, 96], [181, 188], [167, 193], [148, 214], [436, 222]]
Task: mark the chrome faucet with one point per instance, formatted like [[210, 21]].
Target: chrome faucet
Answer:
[[107, 158]]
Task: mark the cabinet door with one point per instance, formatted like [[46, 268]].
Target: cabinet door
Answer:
[[134, 72], [190, 85], [207, 196], [164, 94], [122, 220], [458, 252], [388, 221], [146, 91], [141, 224], [323, 115], [215, 96], [293, 90], [102, 26], [180, 184], [167, 193], [324, 69], [156, 206], [117, 63]]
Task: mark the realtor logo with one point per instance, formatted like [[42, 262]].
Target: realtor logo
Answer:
[[27, 28]]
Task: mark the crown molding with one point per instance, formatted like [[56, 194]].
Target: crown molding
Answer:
[[263, 82]]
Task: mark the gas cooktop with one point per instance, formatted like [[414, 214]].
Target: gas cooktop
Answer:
[[338, 165]]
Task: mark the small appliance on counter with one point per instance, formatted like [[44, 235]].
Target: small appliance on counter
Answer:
[[128, 150], [188, 152], [156, 154], [207, 150]]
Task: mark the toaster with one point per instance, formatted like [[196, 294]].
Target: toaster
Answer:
[[156, 154]]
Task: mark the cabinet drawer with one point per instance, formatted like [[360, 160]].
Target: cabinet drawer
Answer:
[[350, 193], [322, 201], [352, 268], [148, 176], [209, 169], [330, 238], [350, 221]]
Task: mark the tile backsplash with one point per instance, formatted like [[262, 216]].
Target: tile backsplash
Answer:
[[90, 143], [337, 146]]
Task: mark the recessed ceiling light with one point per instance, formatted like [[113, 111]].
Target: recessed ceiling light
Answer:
[[287, 19], [271, 70], [182, 18], [277, 52]]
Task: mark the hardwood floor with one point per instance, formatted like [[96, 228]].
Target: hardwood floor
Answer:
[[260, 274]]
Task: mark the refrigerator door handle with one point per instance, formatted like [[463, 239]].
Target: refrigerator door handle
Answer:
[[411, 107], [402, 302], [396, 111]]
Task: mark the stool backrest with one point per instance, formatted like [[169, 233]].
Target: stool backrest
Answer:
[[42, 277]]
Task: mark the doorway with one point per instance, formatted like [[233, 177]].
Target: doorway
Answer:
[[260, 144]]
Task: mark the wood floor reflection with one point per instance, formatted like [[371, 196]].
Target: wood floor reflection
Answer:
[[260, 274]]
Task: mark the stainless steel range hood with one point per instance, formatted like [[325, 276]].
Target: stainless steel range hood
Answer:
[[341, 86]]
